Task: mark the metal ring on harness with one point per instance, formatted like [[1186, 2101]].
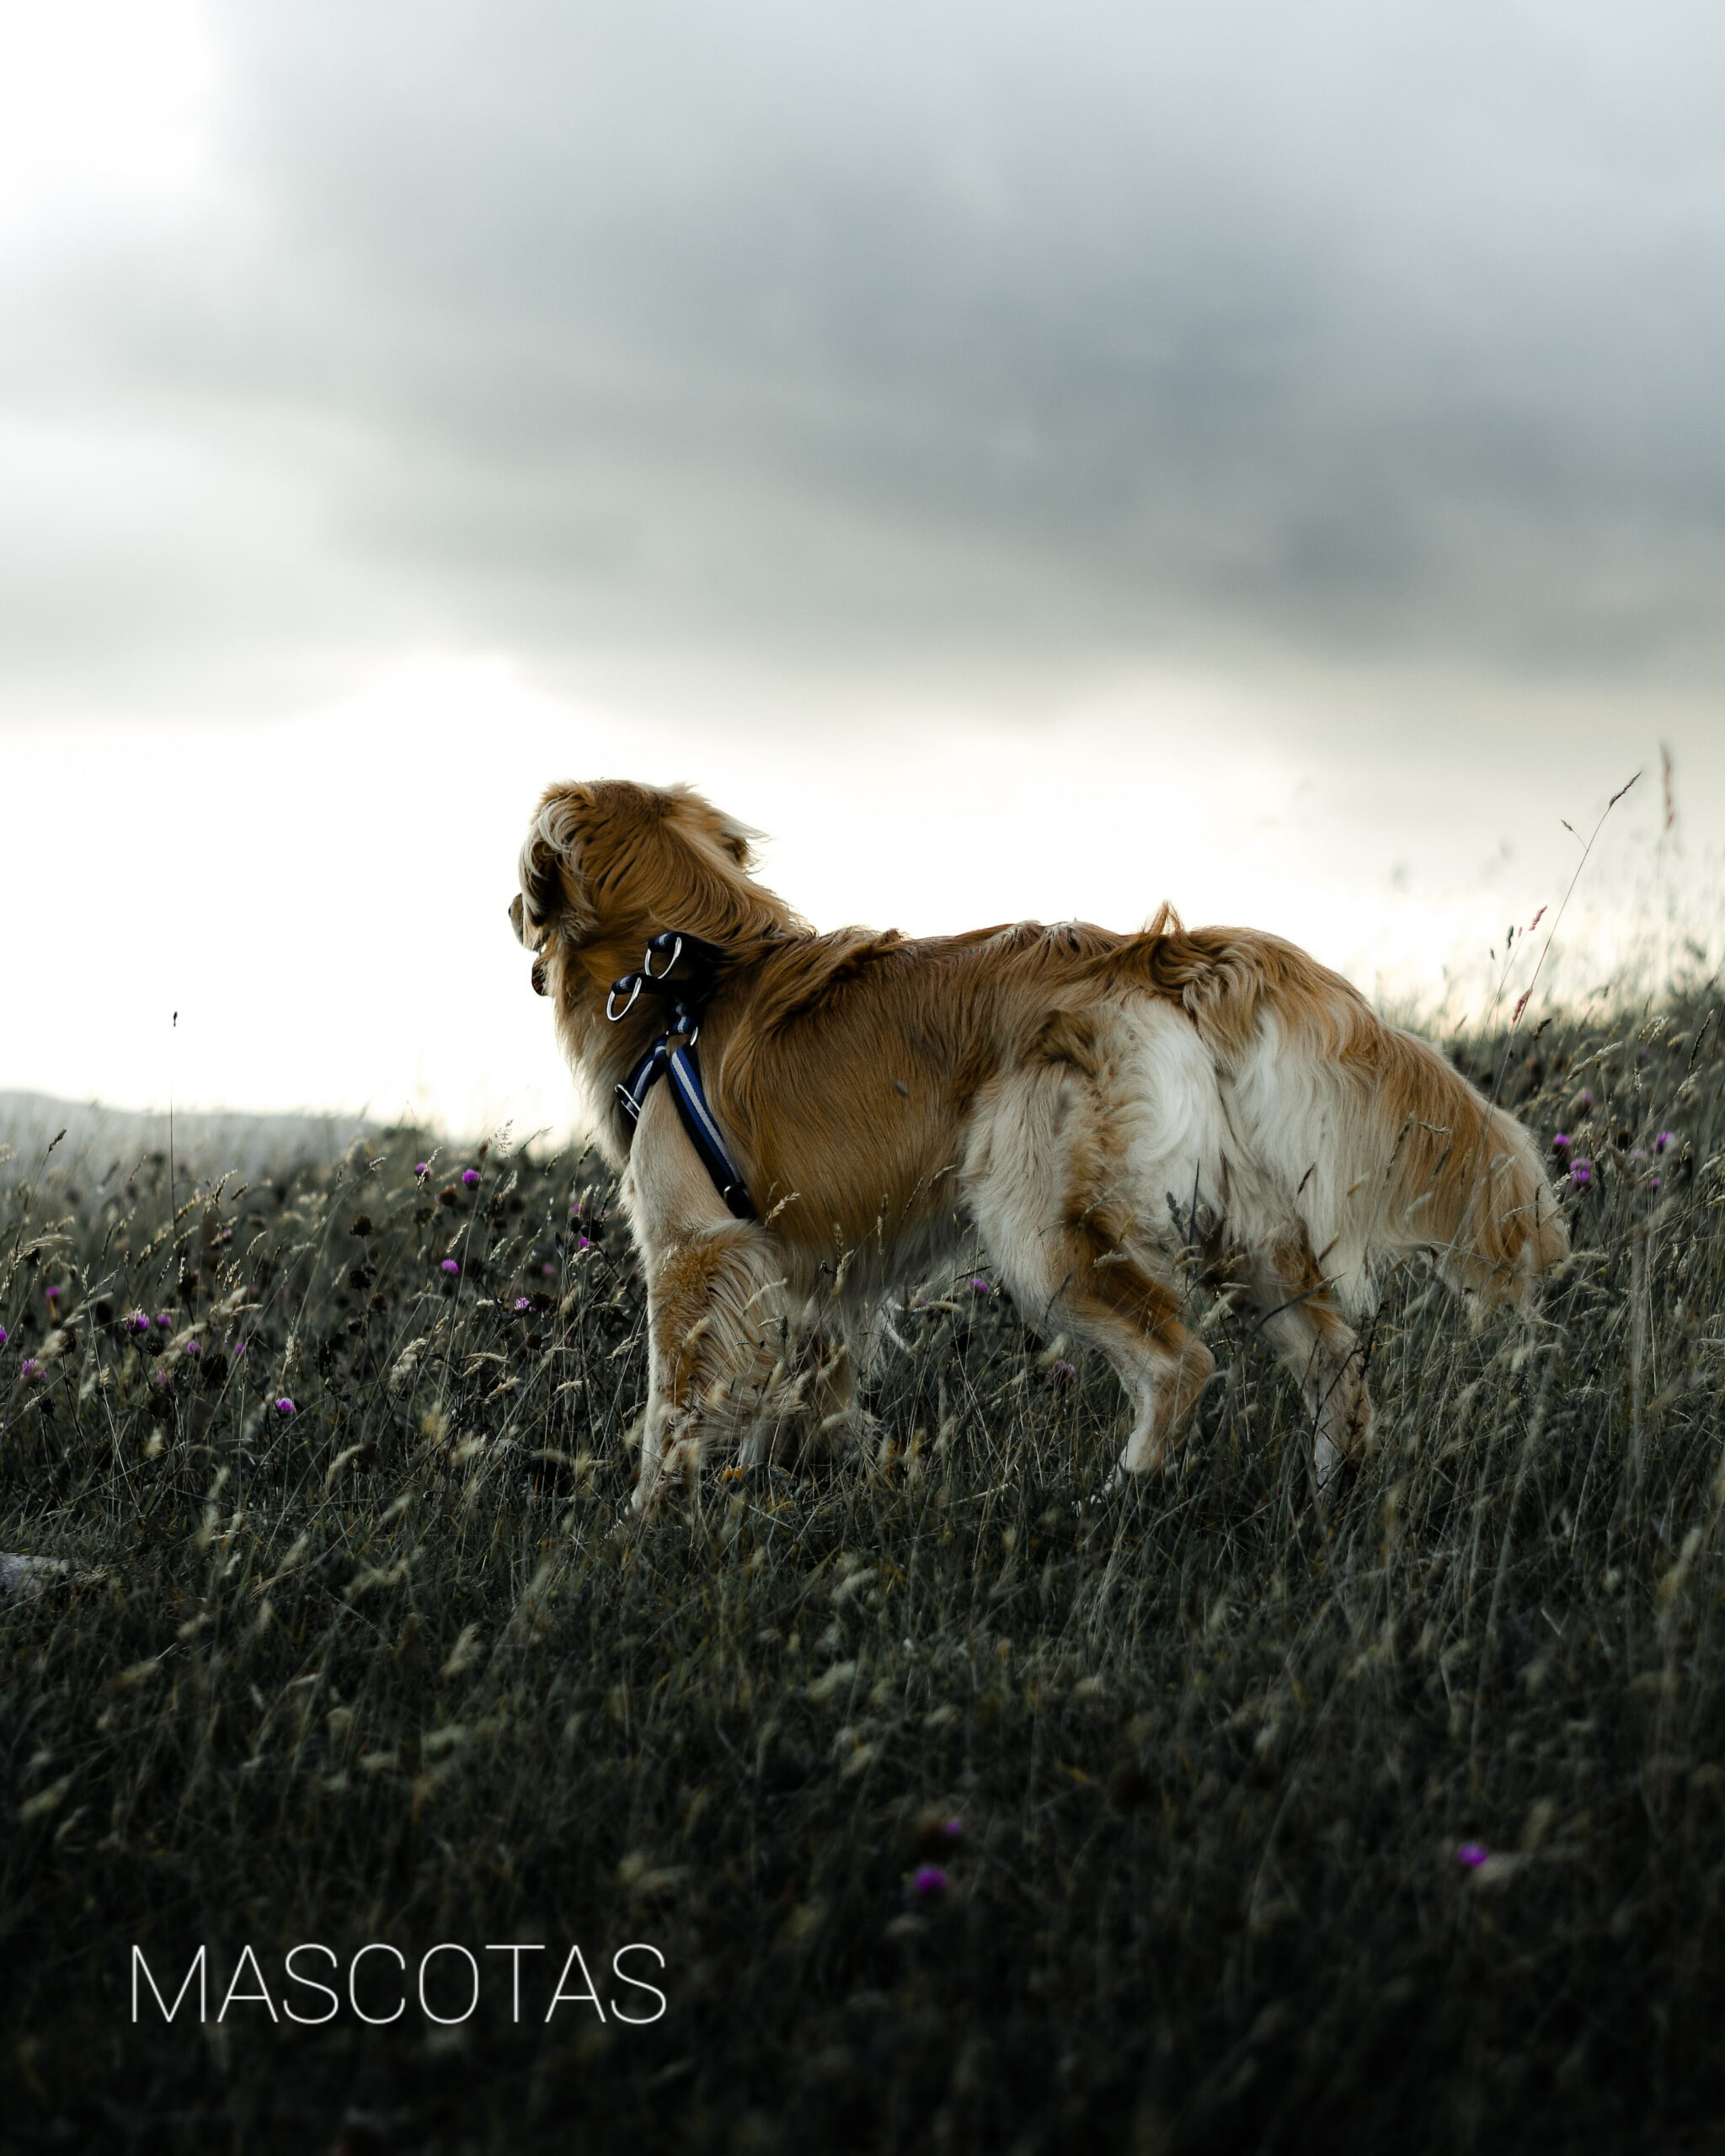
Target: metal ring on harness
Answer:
[[632, 983], [669, 935]]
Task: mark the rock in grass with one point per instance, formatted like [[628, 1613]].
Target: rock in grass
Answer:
[[22, 1579]]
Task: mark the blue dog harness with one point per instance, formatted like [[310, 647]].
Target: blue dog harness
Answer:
[[672, 1055]]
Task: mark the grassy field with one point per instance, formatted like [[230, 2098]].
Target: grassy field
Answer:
[[964, 1815]]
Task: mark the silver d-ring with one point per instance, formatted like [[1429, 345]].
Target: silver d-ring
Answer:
[[633, 985], [647, 961]]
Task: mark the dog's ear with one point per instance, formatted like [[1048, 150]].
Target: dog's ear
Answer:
[[738, 841], [699, 818], [549, 870]]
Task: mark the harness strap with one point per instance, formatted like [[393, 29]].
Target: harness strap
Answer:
[[687, 1094]]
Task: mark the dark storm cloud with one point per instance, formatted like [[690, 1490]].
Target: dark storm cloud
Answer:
[[974, 337]]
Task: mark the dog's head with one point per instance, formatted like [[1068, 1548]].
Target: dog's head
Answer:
[[612, 859]]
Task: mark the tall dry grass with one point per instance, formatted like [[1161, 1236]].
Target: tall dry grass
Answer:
[[396, 1667]]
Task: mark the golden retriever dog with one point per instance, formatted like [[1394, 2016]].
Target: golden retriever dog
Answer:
[[1085, 1105]]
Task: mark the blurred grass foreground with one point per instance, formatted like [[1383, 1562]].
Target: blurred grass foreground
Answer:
[[959, 1813]]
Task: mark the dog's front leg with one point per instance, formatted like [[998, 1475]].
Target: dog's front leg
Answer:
[[716, 1326], [716, 1305]]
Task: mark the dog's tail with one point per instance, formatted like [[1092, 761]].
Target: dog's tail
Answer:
[[1392, 1149], [1461, 1177]]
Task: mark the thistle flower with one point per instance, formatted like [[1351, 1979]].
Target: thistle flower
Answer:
[[1665, 1138], [929, 1880], [284, 1407], [4, 1335], [165, 1320], [52, 1293], [1562, 1142], [470, 1176], [581, 1243], [451, 1264], [195, 1348], [30, 1370], [1471, 1855], [1581, 1173], [137, 1322], [979, 1286], [522, 1303], [422, 1169], [1063, 1372]]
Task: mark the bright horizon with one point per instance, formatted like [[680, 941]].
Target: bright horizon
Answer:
[[323, 900]]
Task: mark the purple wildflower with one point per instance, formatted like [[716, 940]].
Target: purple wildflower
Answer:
[[239, 1348], [979, 1286], [1063, 1372], [137, 1322], [951, 1828], [53, 1295], [452, 1265], [165, 1320], [470, 1176], [581, 1243], [30, 1370], [1653, 1182], [1665, 1138], [194, 1347], [1585, 1096], [1471, 1855], [1562, 1142], [422, 1169], [4, 1335], [522, 1303], [550, 1271], [284, 1407], [1581, 1173], [930, 1879]]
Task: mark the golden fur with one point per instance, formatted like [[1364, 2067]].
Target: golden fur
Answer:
[[1083, 1103]]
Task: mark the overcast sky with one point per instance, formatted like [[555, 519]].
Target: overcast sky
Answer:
[[1029, 458]]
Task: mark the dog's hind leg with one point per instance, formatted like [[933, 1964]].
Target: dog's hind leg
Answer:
[[1070, 1253], [1284, 1287], [1104, 1293]]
